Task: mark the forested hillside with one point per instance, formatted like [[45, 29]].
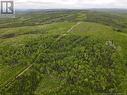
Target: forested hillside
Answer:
[[64, 52]]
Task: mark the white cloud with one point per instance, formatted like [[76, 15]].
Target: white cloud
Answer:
[[47, 4]]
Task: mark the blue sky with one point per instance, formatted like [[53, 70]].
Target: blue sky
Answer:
[[69, 4]]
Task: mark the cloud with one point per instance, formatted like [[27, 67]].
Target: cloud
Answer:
[[70, 4]]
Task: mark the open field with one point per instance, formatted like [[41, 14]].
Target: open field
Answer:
[[64, 52]]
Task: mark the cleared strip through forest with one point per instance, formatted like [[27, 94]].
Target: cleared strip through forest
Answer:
[[68, 31], [9, 82]]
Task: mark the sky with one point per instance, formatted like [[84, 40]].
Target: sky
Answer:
[[69, 4]]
